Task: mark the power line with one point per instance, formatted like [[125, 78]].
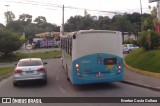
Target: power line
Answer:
[[60, 6], [45, 3], [31, 2], [36, 4]]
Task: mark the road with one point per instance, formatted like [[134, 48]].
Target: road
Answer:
[[58, 86]]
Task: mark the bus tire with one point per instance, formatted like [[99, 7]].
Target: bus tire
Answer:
[[67, 73]]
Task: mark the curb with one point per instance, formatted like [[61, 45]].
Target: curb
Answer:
[[6, 76], [140, 85], [152, 74]]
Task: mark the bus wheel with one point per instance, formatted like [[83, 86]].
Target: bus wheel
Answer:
[[67, 73], [68, 79]]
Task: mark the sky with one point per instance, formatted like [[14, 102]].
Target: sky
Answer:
[[52, 9]]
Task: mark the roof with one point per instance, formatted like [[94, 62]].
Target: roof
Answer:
[[30, 59], [90, 31], [48, 34]]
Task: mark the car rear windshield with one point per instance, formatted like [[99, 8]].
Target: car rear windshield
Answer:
[[30, 63]]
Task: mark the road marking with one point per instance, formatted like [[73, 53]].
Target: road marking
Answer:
[[57, 78], [62, 90]]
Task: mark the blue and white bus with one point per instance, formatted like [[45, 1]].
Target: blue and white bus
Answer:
[[92, 56]]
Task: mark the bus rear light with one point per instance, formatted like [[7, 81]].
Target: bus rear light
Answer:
[[77, 65], [77, 69], [119, 67]]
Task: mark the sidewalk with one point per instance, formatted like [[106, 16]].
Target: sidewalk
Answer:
[[134, 78]]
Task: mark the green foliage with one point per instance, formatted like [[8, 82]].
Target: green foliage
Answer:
[[9, 41], [131, 42], [149, 40], [25, 19], [148, 24], [9, 16], [1, 25], [18, 56], [15, 26], [5, 70], [144, 60], [40, 20]]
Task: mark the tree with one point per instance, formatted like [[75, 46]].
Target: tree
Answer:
[[73, 23], [104, 23], [149, 40], [9, 41], [148, 24], [134, 17], [87, 23], [121, 24], [15, 26], [1, 25], [9, 16], [40, 20], [25, 19], [154, 16]]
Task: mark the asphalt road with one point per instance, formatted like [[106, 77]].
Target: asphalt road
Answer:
[[58, 86]]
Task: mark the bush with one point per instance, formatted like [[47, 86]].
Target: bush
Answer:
[[9, 41], [149, 40], [131, 42]]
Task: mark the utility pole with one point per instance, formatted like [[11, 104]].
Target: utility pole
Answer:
[[62, 20], [141, 13], [7, 13], [158, 10]]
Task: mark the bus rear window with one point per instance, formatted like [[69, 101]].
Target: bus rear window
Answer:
[[110, 61]]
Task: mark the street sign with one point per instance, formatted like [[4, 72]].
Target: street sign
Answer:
[[28, 46]]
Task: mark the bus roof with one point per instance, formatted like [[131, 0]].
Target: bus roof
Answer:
[[97, 31], [90, 31]]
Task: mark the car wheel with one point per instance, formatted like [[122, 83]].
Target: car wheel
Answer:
[[129, 51], [67, 74], [15, 84], [44, 82]]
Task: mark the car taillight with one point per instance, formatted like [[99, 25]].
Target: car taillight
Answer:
[[41, 70], [18, 71]]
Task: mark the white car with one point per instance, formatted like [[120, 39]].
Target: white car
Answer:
[[127, 48], [29, 69]]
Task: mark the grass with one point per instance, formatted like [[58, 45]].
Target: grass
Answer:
[[144, 60], [18, 56], [5, 70]]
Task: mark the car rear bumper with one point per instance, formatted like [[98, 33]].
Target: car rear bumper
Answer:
[[27, 78]]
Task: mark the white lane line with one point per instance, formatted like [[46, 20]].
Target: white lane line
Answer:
[[62, 90]]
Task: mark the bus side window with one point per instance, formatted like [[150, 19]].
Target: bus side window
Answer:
[[61, 43], [68, 46], [65, 44], [71, 46]]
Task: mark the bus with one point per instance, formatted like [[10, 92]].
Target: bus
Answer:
[[92, 56]]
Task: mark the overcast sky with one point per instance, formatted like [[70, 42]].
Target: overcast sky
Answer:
[[52, 10]]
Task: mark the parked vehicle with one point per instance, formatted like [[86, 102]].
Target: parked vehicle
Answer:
[[29, 69], [127, 48]]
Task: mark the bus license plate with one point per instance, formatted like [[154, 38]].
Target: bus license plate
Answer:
[[99, 75]]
